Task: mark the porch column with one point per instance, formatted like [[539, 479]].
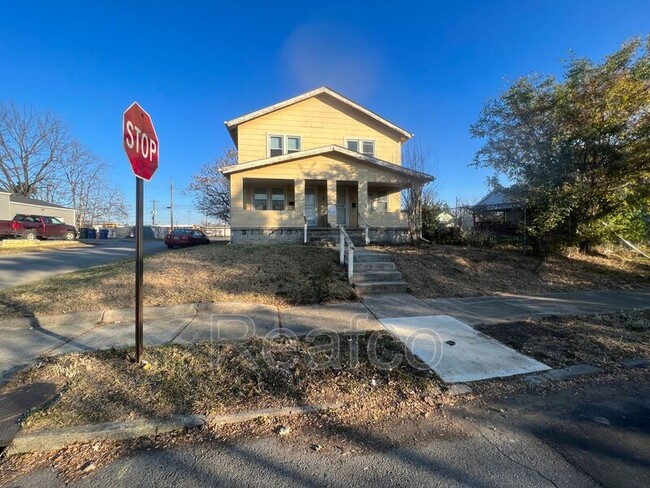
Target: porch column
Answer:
[[331, 203], [363, 200], [299, 197]]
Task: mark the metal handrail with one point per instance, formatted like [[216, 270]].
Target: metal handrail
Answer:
[[344, 239], [366, 228]]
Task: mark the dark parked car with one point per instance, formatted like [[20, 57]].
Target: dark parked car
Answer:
[[185, 238]]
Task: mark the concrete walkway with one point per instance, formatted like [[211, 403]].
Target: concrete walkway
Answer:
[[508, 307], [24, 340], [439, 331]]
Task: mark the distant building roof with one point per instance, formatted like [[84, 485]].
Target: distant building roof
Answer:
[[34, 201], [494, 201]]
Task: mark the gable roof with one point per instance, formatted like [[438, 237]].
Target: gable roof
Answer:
[[232, 124], [234, 168], [34, 201], [495, 201]]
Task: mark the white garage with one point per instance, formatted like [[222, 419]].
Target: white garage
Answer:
[[11, 205]]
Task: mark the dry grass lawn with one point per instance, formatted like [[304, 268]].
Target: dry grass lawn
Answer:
[[603, 340], [276, 275], [214, 379], [444, 271]]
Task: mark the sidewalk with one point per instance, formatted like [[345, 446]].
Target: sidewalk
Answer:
[[440, 332], [24, 340]]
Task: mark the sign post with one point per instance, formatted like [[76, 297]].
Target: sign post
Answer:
[[141, 146]]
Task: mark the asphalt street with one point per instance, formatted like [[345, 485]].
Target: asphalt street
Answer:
[[594, 436], [22, 268]]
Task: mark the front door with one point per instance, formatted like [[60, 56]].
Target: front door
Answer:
[[342, 206], [310, 205]]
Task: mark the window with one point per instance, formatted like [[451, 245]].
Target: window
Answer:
[[277, 199], [279, 145], [56, 221], [260, 198], [293, 144], [366, 147], [270, 198], [378, 199], [275, 146]]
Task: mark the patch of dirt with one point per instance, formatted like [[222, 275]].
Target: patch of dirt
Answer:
[[444, 271], [599, 340]]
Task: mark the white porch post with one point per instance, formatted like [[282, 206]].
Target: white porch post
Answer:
[[331, 203]]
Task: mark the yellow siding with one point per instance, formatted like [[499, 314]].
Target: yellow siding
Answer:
[[332, 168], [319, 121]]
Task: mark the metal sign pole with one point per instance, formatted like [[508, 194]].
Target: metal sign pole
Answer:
[[139, 265]]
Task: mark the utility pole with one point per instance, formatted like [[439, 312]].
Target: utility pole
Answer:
[[171, 205], [153, 212]]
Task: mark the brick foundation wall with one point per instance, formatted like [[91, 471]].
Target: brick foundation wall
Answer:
[[294, 235]]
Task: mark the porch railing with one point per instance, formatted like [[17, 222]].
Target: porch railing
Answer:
[[366, 228], [344, 240]]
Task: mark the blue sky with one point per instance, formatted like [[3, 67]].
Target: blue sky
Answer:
[[427, 66]]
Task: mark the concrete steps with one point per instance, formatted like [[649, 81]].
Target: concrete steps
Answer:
[[376, 273], [381, 287]]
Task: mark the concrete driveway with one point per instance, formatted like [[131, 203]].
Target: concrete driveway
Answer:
[[24, 268]]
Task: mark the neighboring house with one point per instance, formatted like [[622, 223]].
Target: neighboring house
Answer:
[[445, 219], [496, 214], [11, 205], [320, 159]]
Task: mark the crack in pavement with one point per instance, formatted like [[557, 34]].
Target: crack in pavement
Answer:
[[504, 454]]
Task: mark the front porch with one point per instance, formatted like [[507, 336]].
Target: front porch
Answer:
[[320, 204]]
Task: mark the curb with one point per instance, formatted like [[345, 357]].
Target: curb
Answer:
[[52, 440], [563, 374]]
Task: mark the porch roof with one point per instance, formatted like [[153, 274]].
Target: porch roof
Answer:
[[234, 168]]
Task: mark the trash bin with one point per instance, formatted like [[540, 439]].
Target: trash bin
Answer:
[[83, 233], [103, 234], [92, 234]]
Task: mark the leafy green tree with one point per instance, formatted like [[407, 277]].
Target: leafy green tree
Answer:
[[577, 151]]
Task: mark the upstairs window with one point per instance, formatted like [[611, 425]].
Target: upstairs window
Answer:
[[279, 145], [364, 146], [293, 144], [276, 146]]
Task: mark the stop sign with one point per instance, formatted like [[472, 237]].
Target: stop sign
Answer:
[[140, 141]]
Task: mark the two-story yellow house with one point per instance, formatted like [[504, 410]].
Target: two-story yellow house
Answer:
[[320, 160]]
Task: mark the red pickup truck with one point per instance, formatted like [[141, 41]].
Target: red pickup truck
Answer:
[[36, 227]]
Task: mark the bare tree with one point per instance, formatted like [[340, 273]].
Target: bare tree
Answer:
[[31, 144], [79, 181], [417, 186], [211, 188]]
